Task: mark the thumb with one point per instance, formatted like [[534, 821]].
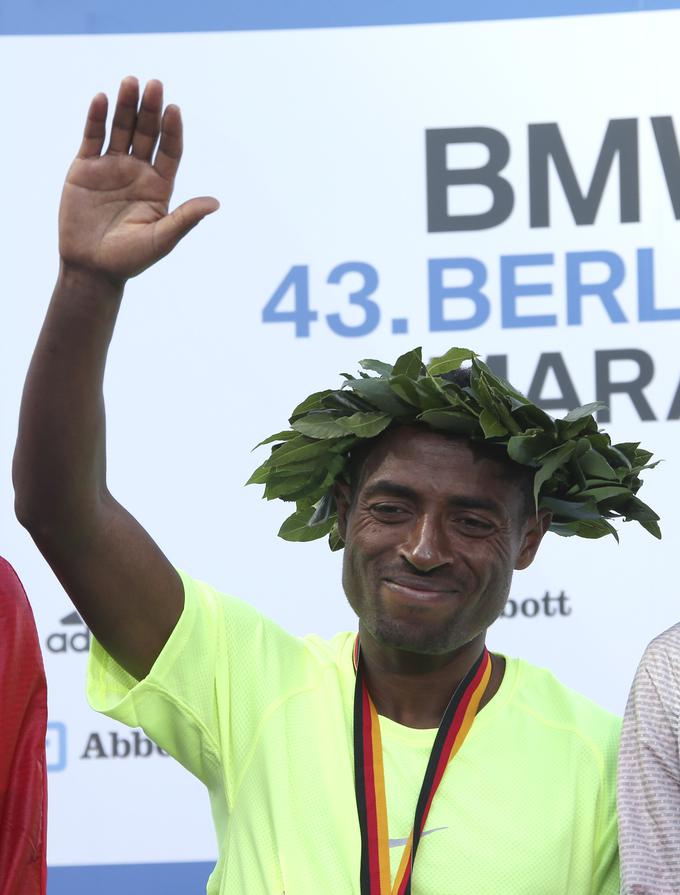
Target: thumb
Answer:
[[175, 226]]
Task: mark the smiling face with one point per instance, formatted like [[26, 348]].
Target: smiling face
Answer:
[[432, 535]]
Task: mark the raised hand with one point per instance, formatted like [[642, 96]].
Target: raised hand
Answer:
[[113, 218]]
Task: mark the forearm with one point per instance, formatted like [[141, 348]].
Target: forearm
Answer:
[[60, 459]]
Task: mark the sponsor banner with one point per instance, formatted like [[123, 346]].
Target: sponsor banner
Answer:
[[124, 16], [382, 188], [71, 637], [133, 879]]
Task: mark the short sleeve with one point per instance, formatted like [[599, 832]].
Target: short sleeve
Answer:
[[223, 667], [649, 773]]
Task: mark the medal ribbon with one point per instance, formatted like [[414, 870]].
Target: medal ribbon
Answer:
[[369, 778]]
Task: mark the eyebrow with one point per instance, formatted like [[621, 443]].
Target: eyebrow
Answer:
[[394, 489]]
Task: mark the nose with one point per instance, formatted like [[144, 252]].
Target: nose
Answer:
[[426, 547]]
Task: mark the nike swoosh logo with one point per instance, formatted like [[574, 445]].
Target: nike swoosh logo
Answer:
[[393, 843]]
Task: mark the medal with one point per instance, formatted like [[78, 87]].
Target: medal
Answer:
[[369, 778]]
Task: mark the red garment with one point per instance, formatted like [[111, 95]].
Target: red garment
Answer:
[[23, 725]]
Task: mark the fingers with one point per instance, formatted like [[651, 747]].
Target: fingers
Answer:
[[136, 130], [171, 228], [124, 117], [95, 128], [170, 148], [148, 123]]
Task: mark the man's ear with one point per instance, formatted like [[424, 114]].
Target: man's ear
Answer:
[[534, 529], [342, 493]]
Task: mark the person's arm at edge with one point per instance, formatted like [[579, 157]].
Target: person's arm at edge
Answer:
[[649, 779], [114, 223]]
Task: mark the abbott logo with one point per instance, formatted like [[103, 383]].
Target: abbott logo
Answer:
[[55, 746], [531, 607], [117, 745], [75, 638]]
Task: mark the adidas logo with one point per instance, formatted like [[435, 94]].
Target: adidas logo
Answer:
[[75, 639]]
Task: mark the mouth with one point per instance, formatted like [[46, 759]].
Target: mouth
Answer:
[[420, 590]]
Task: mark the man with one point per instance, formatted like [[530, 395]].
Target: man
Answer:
[[325, 768], [649, 773]]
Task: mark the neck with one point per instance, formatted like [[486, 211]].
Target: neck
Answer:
[[414, 689]]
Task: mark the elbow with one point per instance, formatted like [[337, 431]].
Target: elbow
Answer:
[[51, 503], [34, 518], [29, 509], [40, 510], [24, 502]]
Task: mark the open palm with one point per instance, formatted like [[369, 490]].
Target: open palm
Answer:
[[114, 218]]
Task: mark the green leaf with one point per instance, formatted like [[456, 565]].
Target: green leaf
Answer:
[[586, 426], [406, 389], [491, 426], [311, 403], [346, 402], [628, 449], [300, 448], [459, 397], [336, 464], [296, 522], [499, 382], [526, 449], [335, 541], [365, 425], [261, 474], [378, 393], [286, 435], [638, 510], [593, 464], [451, 421], [452, 360], [585, 528], [551, 462], [529, 416], [599, 441], [431, 395], [606, 492], [652, 526], [616, 457], [342, 445], [310, 490], [641, 457], [297, 527], [409, 364], [491, 401], [281, 485], [571, 509], [586, 410], [377, 366], [320, 424]]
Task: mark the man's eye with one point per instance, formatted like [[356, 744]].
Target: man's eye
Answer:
[[388, 510], [474, 525]]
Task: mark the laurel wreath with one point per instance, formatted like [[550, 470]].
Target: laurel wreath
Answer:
[[580, 476]]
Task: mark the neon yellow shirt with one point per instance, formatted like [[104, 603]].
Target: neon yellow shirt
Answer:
[[264, 719]]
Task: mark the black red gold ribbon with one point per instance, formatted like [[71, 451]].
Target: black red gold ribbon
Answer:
[[369, 778]]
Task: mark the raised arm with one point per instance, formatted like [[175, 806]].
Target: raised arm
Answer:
[[113, 224]]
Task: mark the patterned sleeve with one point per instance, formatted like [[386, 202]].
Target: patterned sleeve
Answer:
[[649, 774]]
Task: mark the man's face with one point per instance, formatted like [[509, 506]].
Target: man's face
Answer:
[[432, 535]]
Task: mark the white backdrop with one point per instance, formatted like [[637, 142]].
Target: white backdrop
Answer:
[[314, 141]]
